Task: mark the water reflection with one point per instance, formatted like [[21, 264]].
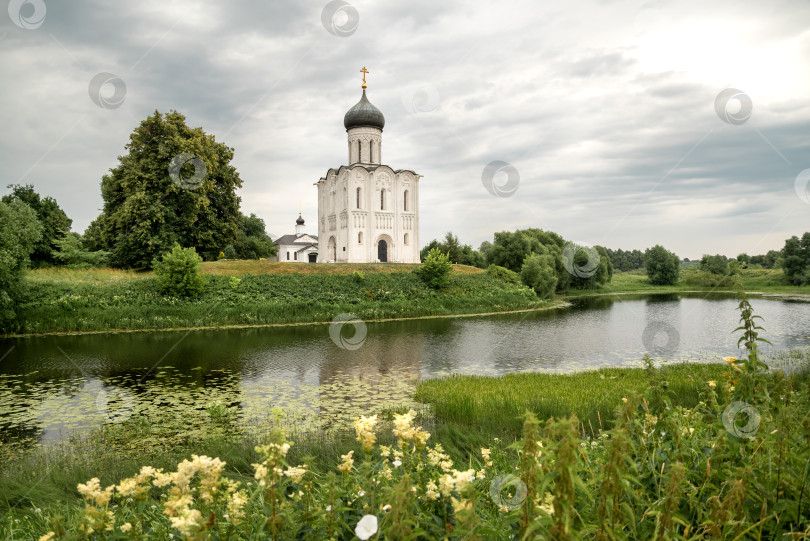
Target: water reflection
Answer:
[[50, 386]]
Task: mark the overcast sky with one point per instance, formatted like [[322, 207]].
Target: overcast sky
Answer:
[[608, 112]]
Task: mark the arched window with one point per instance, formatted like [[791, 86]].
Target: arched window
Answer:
[[360, 238], [359, 151], [358, 198], [405, 201], [406, 239], [382, 199]]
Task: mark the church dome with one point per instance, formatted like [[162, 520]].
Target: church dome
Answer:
[[364, 114], [300, 220]]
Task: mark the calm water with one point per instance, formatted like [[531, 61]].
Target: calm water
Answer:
[[52, 386]]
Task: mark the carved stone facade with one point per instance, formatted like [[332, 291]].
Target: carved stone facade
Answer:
[[367, 211]]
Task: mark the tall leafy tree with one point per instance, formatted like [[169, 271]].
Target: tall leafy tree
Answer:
[[796, 264], [151, 203], [252, 240], [20, 231], [55, 223], [663, 267]]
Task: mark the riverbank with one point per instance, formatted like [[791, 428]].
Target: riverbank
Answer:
[[245, 294], [651, 424]]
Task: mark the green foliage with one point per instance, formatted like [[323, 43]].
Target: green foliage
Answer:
[[538, 273], [229, 252], [20, 231], [252, 241], [715, 264], [706, 279], [55, 223], [504, 274], [796, 263], [435, 270], [663, 267], [626, 260], [510, 249], [70, 252], [178, 272], [146, 212], [462, 254]]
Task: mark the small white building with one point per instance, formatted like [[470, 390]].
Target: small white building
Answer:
[[298, 248], [367, 211]]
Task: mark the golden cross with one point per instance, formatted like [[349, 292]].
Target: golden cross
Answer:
[[364, 71], [299, 210]]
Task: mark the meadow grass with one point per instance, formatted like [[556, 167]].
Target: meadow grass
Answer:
[[497, 404]]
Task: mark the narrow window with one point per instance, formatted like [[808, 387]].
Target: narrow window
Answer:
[[288, 256], [406, 239], [295, 256], [358, 198], [359, 151], [360, 238], [382, 199], [405, 201]]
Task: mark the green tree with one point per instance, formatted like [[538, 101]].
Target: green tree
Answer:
[[252, 240], [663, 267], [715, 264], [20, 231], [796, 264], [178, 272], [55, 223], [456, 252], [70, 251], [435, 270], [148, 209], [538, 273]]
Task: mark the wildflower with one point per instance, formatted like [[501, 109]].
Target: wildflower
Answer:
[[366, 527], [348, 462], [624, 400], [386, 507], [361, 493], [126, 527], [385, 451], [431, 491], [485, 454], [461, 506], [712, 384], [93, 493], [48, 536], [481, 474], [364, 428], [548, 503], [405, 431], [397, 463], [295, 473]]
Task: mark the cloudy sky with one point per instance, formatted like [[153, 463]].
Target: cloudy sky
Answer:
[[612, 118]]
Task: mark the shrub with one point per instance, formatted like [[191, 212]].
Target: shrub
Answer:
[[504, 274], [435, 271], [706, 279], [538, 273], [663, 267], [229, 252], [20, 231], [715, 264], [178, 272]]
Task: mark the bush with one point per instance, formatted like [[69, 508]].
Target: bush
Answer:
[[663, 267], [504, 274], [435, 271], [538, 273], [715, 264], [20, 231], [706, 279], [229, 252], [178, 272], [71, 253]]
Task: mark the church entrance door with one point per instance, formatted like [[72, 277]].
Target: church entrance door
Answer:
[[382, 251], [313, 258]]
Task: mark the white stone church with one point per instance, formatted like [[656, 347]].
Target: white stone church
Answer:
[[367, 211]]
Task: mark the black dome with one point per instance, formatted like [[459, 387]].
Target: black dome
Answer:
[[300, 220], [364, 114]]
